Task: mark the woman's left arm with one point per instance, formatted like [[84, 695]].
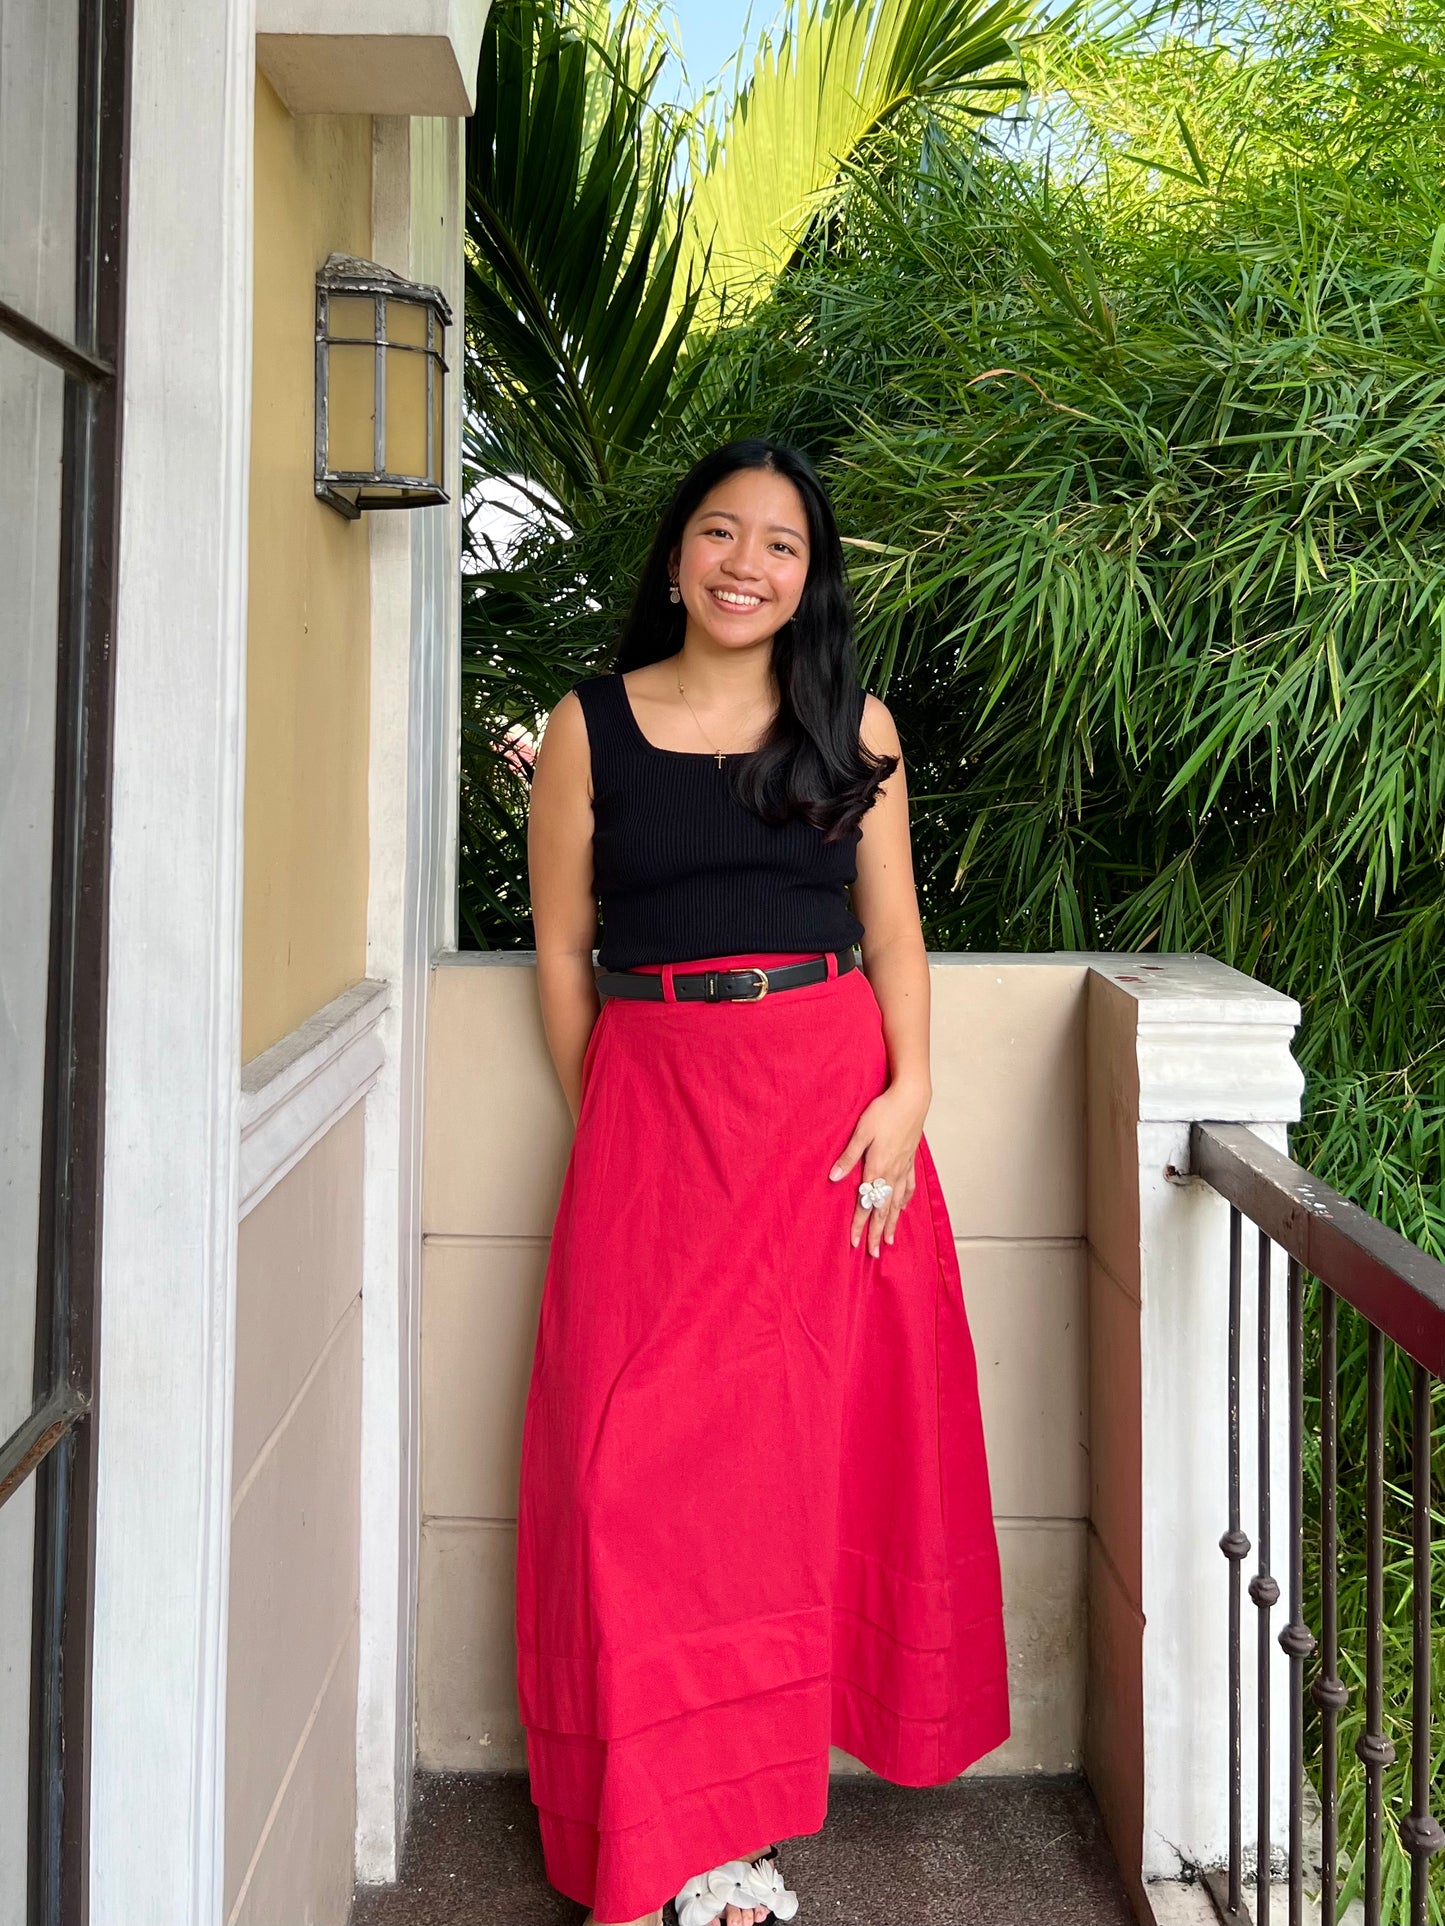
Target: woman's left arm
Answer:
[[885, 901]]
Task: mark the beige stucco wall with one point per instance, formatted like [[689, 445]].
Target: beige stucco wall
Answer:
[[1007, 1129], [292, 1663], [308, 637]]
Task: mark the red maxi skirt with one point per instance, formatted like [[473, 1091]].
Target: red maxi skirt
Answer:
[[754, 1514]]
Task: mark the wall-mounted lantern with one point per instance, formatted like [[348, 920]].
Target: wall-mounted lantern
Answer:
[[380, 388]]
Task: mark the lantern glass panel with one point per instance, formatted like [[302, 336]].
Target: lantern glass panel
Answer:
[[351, 409], [406, 322], [351, 317], [405, 412]]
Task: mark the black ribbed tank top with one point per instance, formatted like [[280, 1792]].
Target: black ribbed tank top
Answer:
[[682, 869]]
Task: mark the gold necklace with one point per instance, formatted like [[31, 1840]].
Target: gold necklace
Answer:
[[719, 755]]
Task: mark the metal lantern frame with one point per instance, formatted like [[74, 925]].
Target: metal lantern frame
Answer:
[[345, 275]]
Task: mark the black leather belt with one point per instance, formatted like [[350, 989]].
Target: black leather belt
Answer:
[[745, 985]]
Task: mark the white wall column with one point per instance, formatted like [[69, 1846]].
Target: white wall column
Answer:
[[1171, 1042], [172, 1087], [415, 620]]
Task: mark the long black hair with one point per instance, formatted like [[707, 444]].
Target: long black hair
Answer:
[[811, 764]]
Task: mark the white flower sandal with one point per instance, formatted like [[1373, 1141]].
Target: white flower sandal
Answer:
[[742, 1883]]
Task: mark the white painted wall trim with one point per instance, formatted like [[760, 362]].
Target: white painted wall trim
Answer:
[[415, 721], [447, 775], [293, 1093], [165, 1373]]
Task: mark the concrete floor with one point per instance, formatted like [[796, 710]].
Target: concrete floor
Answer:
[[981, 1852]]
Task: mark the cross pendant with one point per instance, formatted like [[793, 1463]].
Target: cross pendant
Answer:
[[719, 755]]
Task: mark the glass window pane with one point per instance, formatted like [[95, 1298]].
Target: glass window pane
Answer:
[[17, 1593], [32, 402], [39, 64]]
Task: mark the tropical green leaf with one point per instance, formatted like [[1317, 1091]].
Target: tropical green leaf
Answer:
[[572, 249], [834, 74]]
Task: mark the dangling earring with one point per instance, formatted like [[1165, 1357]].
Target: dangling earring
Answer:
[[674, 593]]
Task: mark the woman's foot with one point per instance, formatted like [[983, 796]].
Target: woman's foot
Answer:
[[744, 1892], [756, 1879]]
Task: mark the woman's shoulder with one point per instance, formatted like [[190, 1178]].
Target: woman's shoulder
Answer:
[[877, 727]]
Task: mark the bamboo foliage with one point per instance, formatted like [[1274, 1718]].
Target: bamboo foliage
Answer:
[[1171, 526]]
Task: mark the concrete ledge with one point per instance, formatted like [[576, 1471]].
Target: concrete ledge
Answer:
[[1175, 1904], [372, 56]]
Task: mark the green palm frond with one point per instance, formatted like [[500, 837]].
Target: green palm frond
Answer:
[[572, 248], [838, 72]]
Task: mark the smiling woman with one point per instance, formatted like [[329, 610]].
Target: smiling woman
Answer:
[[755, 1517], [739, 570]]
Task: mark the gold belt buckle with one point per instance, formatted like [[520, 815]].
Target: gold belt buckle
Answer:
[[751, 969]]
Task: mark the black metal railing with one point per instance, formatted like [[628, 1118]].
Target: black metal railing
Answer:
[[1399, 1290]]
